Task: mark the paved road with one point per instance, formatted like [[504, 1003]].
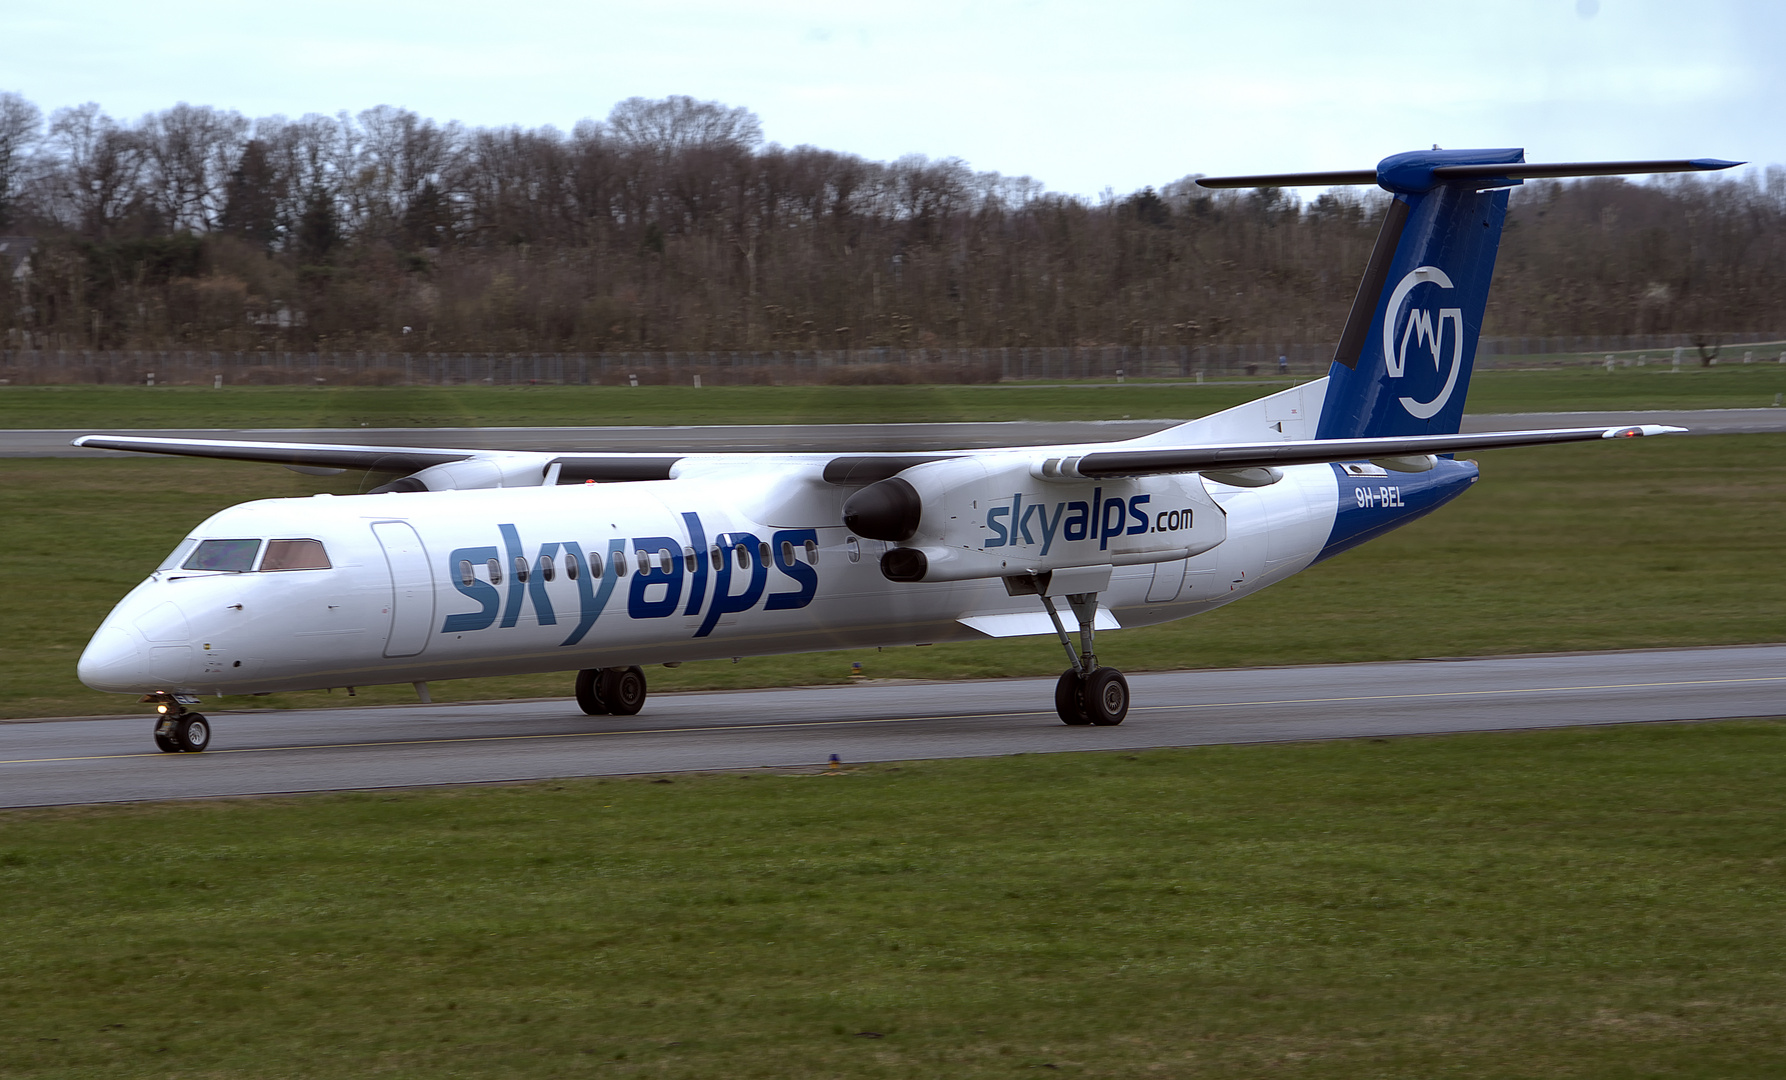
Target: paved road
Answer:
[[852, 438], [110, 760]]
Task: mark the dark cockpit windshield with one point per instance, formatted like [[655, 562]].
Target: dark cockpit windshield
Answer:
[[235, 555], [239, 555]]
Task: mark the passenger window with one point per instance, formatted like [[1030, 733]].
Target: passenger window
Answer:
[[233, 555], [689, 559], [812, 553], [763, 553], [295, 555], [595, 564], [466, 575], [644, 561], [521, 568], [743, 556], [719, 558], [570, 566], [854, 549], [665, 560], [546, 570], [495, 572], [787, 553]]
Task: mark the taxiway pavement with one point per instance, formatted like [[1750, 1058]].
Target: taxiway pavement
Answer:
[[264, 752]]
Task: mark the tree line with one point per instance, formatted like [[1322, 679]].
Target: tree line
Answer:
[[671, 224]]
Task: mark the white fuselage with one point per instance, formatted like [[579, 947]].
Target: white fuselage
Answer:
[[744, 557]]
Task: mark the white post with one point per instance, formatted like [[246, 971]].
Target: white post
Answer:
[[1678, 353], [697, 382]]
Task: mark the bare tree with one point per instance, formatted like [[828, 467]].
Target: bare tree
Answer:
[[96, 181], [21, 128], [680, 123], [671, 224], [401, 158], [190, 151]]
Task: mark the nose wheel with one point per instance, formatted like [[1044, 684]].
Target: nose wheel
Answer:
[[179, 730]]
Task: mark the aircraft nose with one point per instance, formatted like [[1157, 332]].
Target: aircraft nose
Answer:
[[113, 662]]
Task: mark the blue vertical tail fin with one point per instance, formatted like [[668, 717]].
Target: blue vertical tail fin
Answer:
[[1404, 359]]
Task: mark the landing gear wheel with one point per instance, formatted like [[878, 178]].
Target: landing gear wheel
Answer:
[[192, 733], [164, 737], [589, 697], [1106, 699], [623, 690], [1069, 699]]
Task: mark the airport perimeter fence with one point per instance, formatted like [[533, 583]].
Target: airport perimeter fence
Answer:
[[889, 366]]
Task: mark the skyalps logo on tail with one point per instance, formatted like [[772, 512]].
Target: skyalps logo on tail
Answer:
[[1424, 329]]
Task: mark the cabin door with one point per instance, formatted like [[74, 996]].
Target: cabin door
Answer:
[[412, 588]]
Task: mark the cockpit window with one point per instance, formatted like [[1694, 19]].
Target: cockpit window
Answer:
[[235, 555], [295, 555]]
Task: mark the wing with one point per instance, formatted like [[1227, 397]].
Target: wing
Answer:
[[460, 467], [1236, 456], [517, 464], [313, 455]]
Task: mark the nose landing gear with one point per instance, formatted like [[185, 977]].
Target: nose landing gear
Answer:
[[178, 730]]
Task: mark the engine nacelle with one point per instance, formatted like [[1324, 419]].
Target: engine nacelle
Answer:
[[979, 517], [521, 470]]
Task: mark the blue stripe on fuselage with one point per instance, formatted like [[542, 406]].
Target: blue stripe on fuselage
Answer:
[[1370, 506]]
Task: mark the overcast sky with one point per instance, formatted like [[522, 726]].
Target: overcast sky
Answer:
[[1081, 96]]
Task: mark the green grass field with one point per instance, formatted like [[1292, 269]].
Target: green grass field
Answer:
[[1602, 903], [102, 407], [1594, 546]]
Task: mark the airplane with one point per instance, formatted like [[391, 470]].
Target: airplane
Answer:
[[474, 563]]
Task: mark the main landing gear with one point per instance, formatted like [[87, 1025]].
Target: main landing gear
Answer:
[[611, 691], [178, 730], [1086, 693]]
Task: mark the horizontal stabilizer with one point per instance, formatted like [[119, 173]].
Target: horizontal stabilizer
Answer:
[[1464, 172], [1541, 171], [1307, 179], [1111, 463]]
